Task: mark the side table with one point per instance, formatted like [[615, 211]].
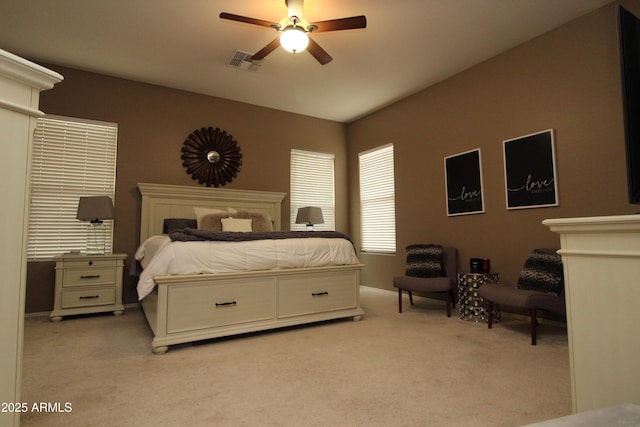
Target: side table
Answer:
[[470, 304], [88, 284]]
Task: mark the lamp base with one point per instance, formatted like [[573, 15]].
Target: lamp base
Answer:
[[96, 238]]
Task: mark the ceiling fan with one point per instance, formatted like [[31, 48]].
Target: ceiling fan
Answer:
[[294, 31]]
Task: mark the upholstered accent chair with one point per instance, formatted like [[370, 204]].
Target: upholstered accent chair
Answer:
[[430, 269], [540, 287]]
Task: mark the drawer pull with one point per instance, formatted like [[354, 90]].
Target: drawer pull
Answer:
[[318, 294], [218, 304], [90, 297], [94, 276]]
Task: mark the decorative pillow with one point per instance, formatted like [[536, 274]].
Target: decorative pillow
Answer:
[[260, 222], [172, 224], [236, 224], [424, 260], [542, 272], [201, 212], [212, 222]]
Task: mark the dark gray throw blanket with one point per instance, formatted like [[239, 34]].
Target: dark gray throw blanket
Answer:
[[195, 235]]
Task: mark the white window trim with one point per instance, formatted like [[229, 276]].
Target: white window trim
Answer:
[[65, 165], [312, 181], [377, 200]]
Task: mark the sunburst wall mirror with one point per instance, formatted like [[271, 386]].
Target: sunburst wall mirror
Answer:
[[211, 156]]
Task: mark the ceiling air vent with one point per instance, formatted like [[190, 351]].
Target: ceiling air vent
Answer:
[[243, 61]]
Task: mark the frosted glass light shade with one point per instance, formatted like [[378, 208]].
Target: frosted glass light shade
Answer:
[[294, 39]]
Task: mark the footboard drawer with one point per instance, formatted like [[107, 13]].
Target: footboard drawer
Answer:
[[317, 293], [229, 302]]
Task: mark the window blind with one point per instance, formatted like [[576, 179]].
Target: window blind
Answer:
[[312, 184], [70, 158], [377, 200]]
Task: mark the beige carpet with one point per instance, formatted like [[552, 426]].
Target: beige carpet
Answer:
[[418, 368]]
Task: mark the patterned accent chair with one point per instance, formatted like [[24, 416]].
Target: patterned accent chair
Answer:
[[540, 287], [430, 269]]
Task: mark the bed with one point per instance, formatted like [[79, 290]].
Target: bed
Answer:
[[183, 308]]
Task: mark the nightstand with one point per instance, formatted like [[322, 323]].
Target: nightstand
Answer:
[[88, 284]]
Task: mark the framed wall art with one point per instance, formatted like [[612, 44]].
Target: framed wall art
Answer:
[[530, 171], [463, 182]]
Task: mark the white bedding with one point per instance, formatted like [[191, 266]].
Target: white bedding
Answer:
[[159, 256]]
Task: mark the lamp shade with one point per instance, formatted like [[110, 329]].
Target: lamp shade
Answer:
[[95, 208], [293, 39], [309, 215]]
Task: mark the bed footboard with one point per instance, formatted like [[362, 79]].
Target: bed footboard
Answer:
[[204, 306]]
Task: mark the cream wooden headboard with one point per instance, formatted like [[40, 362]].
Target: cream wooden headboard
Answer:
[[160, 201]]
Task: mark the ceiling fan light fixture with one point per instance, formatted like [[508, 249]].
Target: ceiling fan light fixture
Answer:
[[294, 39], [294, 30]]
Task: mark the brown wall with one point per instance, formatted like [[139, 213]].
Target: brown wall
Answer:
[[153, 122], [568, 80]]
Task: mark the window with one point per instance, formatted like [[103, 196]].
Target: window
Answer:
[[312, 184], [377, 200], [71, 158]]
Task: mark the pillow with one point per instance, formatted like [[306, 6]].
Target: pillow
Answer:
[[542, 272], [212, 221], [172, 224], [260, 222], [424, 261], [236, 224], [200, 212]]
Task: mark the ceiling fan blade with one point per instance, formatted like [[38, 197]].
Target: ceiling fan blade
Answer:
[[246, 20], [341, 24], [262, 53], [319, 53]]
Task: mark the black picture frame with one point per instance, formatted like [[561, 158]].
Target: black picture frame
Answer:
[[530, 171], [463, 183]]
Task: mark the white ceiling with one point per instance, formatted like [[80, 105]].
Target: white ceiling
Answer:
[[407, 46]]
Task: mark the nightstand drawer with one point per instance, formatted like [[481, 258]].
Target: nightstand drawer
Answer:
[[90, 263], [99, 295], [88, 276]]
